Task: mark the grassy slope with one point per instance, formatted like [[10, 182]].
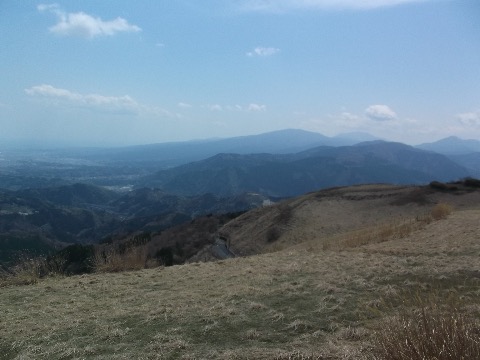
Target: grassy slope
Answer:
[[304, 300], [332, 212]]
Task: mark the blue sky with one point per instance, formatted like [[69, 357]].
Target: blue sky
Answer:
[[133, 72]]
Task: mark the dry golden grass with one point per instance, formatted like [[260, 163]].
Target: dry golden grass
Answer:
[[323, 298], [112, 260], [299, 303], [437, 329], [375, 234], [441, 211], [398, 228], [27, 272], [337, 212]]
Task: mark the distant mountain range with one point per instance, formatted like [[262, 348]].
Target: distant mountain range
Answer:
[[280, 163], [452, 146], [464, 152], [177, 153], [125, 166], [285, 175], [55, 197]]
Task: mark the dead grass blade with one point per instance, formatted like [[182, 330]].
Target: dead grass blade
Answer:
[[431, 331]]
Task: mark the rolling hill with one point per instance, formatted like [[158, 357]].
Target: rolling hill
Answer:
[[333, 212]]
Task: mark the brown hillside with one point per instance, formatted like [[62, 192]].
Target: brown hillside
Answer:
[[320, 215], [305, 302]]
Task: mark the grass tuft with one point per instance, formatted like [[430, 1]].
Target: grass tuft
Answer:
[[297, 355], [27, 272], [112, 260], [441, 211], [428, 332]]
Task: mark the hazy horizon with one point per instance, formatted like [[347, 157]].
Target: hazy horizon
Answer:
[[129, 73], [39, 144]]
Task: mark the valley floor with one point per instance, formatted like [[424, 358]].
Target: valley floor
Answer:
[[308, 301]]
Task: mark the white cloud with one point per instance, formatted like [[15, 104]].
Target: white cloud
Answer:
[[93, 100], [48, 7], [256, 107], [469, 118], [349, 117], [184, 105], [407, 130], [380, 113], [85, 25], [252, 107], [285, 5], [215, 107], [234, 108], [263, 51], [117, 104], [344, 121]]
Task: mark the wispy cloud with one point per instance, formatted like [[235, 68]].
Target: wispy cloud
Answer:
[[215, 107], [116, 104], [184, 105], [252, 107], [286, 5], [469, 118], [263, 51], [380, 113], [234, 107], [256, 107], [85, 25], [349, 117]]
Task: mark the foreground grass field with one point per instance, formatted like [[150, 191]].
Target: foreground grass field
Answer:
[[311, 301]]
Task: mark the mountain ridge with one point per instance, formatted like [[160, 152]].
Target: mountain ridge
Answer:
[[452, 145], [320, 167]]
